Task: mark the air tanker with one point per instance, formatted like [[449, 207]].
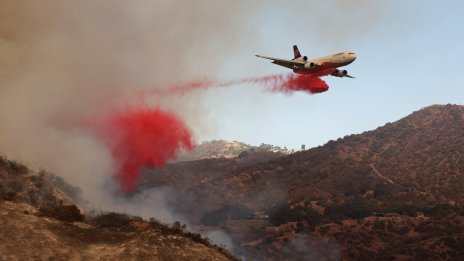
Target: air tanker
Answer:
[[323, 66]]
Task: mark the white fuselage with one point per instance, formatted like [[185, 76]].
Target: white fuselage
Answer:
[[322, 66], [325, 64]]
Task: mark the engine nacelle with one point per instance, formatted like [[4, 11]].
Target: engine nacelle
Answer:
[[310, 65], [339, 73], [305, 58]]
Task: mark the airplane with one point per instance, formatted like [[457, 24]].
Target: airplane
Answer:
[[323, 66]]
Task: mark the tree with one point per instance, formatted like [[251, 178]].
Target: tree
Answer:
[[229, 211], [282, 214]]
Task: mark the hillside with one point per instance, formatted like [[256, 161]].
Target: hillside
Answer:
[[416, 160], [185, 174], [346, 195], [19, 184], [396, 237], [393, 193], [38, 220], [26, 234], [222, 149], [214, 149]]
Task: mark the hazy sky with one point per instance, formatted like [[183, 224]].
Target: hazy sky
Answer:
[[62, 62], [410, 55]]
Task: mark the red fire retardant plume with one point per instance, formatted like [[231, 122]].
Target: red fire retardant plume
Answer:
[[148, 138], [302, 83], [276, 83], [293, 82], [143, 138]]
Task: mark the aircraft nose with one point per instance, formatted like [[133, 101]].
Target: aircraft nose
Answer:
[[354, 56]]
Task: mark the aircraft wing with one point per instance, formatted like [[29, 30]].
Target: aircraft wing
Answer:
[[283, 62]]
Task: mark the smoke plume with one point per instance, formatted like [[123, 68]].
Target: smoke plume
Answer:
[[65, 62]]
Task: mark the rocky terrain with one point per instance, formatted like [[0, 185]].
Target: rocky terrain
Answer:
[[346, 199], [214, 149], [222, 149], [39, 221]]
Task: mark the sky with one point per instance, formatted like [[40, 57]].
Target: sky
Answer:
[[408, 59]]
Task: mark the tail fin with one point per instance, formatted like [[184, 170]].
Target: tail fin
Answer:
[[296, 52]]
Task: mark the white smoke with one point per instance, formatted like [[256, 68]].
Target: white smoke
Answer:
[[63, 62]]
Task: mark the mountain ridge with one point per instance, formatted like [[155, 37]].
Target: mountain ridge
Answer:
[[378, 182], [368, 152]]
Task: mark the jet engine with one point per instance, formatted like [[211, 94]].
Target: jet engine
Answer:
[[305, 58], [310, 65], [339, 73]]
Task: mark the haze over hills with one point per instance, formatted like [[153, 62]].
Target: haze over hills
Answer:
[[226, 149], [391, 193], [39, 220], [207, 161], [411, 166], [419, 156], [214, 149]]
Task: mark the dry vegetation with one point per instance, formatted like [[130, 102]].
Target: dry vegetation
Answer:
[[39, 221], [411, 167]]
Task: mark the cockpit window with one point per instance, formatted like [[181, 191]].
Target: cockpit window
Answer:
[[339, 54], [351, 53]]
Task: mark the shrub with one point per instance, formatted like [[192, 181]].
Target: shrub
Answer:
[[403, 230], [282, 214], [17, 167], [356, 209], [379, 225], [112, 220], [15, 186], [72, 191], [178, 227], [451, 243], [233, 211], [68, 213]]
